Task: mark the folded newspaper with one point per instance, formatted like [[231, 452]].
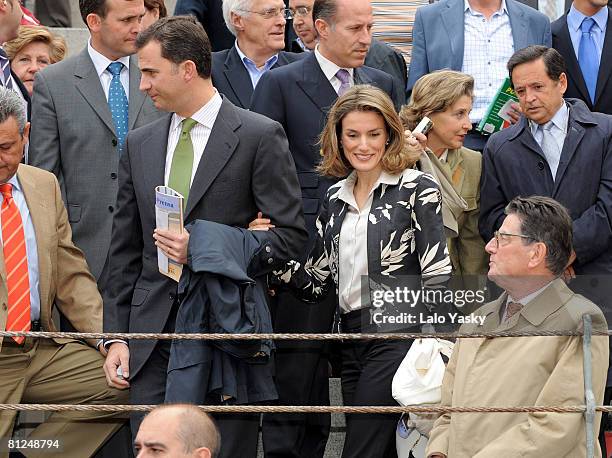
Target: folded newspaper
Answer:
[[169, 216], [497, 117]]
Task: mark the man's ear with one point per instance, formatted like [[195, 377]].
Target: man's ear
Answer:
[[26, 132], [322, 28], [538, 254], [237, 21], [93, 22]]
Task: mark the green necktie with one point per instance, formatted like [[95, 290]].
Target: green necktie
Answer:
[[182, 161]]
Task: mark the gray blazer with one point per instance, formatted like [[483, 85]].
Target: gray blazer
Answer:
[[438, 35], [73, 136]]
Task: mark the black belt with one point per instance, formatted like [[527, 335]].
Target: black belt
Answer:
[[35, 326]]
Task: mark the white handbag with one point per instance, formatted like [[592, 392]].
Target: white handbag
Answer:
[[418, 380]]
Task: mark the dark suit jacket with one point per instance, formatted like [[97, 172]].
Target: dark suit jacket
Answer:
[[381, 56], [210, 15], [25, 94], [232, 79], [514, 165], [231, 184], [576, 88], [298, 96]]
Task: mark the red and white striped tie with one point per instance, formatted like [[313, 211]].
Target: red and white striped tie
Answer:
[[16, 264]]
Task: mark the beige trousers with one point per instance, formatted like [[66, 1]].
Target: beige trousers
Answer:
[[47, 372]]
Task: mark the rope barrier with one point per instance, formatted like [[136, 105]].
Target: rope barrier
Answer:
[[307, 409], [272, 336]]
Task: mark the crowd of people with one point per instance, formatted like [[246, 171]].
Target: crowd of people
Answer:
[[310, 191]]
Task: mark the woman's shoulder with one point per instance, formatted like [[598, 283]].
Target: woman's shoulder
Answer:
[[416, 176]]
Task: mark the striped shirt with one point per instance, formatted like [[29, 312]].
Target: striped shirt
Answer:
[[205, 117], [488, 44], [393, 23]]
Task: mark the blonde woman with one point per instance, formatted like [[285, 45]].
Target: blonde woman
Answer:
[[33, 49], [445, 97], [382, 222]]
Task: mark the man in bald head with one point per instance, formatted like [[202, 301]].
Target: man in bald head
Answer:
[[177, 431]]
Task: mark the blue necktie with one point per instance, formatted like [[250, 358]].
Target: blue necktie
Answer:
[[118, 103], [587, 57]]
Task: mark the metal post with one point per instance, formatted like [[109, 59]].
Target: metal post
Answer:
[[589, 414]]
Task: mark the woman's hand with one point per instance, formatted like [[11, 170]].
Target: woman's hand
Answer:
[[415, 141], [260, 223]]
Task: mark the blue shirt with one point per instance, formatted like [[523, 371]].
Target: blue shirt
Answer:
[[598, 32], [31, 247], [254, 72]]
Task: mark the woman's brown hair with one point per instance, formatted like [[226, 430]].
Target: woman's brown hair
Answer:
[[363, 98]]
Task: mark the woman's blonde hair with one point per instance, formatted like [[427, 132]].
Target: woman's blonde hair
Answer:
[[31, 34], [434, 93], [363, 98]]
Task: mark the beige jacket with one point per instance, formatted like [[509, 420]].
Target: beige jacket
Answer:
[[459, 179], [522, 371], [64, 278]]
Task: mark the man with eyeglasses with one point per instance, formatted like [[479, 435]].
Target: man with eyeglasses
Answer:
[[380, 55], [259, 28], [529, 253]]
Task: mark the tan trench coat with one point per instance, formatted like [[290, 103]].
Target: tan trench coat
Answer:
[[522, 371]]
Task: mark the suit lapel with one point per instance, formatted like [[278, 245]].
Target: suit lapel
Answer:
[[316, 86], [221, 145], [453, 19], [521, 35], [42, 223], [137, 97], [238, 77], [575, 132], [88, 85], [605, 69], [565, 47], [152, 154]]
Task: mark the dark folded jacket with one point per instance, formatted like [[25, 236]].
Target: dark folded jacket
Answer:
[[218, 296]]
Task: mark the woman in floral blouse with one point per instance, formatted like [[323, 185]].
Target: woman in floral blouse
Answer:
[[382, 223]]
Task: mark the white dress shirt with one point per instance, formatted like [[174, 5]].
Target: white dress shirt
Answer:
[[101, 64], [488, 44], [330, 69], [31, 247], [200, 133], [353, 244]]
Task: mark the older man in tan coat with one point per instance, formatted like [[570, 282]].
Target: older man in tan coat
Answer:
[[528, 254]]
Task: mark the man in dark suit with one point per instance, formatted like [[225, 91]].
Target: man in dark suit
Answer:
[[210, 15], [222, 157], [558, 149], [10, 16], [298, 96], [583, 47], [380, 55], [260, 39]]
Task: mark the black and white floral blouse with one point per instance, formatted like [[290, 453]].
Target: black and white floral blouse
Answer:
[[405, 237]]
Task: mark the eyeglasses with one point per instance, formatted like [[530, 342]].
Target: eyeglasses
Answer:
[[300, 11], [497, 235], [271, 13]]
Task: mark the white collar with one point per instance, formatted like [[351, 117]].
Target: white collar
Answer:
[[328, 67], [101, 62]]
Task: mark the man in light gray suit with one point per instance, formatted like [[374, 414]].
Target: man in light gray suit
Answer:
[[82, 114], [476, 37]]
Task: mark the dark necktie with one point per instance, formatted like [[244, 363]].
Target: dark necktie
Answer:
[[5, 65]]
